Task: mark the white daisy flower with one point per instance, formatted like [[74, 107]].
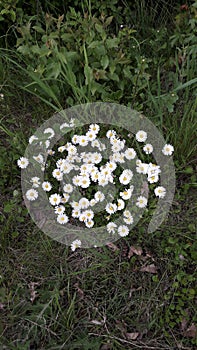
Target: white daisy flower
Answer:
[[127, 193], [91, 135], [55, 199], [50, 152], [35, 181], [160, 191], [111, 166], [76, 213], [49, 131], [111, 226], [111, 133], [75, 244], [121, 204], [128, 220], [89, 223], [94, 127], [153, 179], [32, 194], [95, 143], [130, 153], [66, 167], [62, 219], [46, 186], [75, 139], [72, 150], [168, 150], [59, 209], [65, 198], [39, 158], [83, 140], [96, 157], [102, 180], [84, 203], [141, 136], [127, 213], [84, 182], [148, 148], [95, 176], [23, 162], [61, 149], [68, 188], [123, 231], [75, 205], [126, 176], [32, 138], [142, 168], [57, 174], [89, 214], [99, 196], [153, 169], [111, 208], [141, 202]]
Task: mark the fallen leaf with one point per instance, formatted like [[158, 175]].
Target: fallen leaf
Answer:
[[33, 292], [191, 332], [132, 336], [134, 250], [149, 268], [112, 246]]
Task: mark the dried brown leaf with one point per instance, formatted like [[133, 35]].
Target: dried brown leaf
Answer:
[[134, 250], [112, 246], [149, 268], [79, 290], [132, 336]]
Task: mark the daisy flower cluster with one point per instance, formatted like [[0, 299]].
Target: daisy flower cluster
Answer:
[[78, 169]]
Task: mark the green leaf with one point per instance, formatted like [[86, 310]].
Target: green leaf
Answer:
[[105, 61], [39, 29], [88, 75]]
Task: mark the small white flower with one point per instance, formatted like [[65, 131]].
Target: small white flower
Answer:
[[126, 194], [55, 199], [99, 196], [68, 188], [75, 205], [93, 202], [141, 202], [23, 162], [94, 127], [89, 223], [111, 226], [61, 149], [75, 139], [148, 148], [39, 158], [123, 231], [91, 135], [153, 179], [32, 194], [111, 208], [126, 213], [35, 181], [76, 213], [111, 133], [72, 150], [142, 168], [84, 181], [160, 191], [141, 136], [59, 209], [89, 214], [65, 198], [62, 219], [57, 174], [83, 140], [128, 220], [84, 203], [130, 153], [126, 176], [168, 150], [121, 204], [46, 186], [75, 244]]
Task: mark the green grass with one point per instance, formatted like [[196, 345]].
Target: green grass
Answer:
[[52, 298]]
